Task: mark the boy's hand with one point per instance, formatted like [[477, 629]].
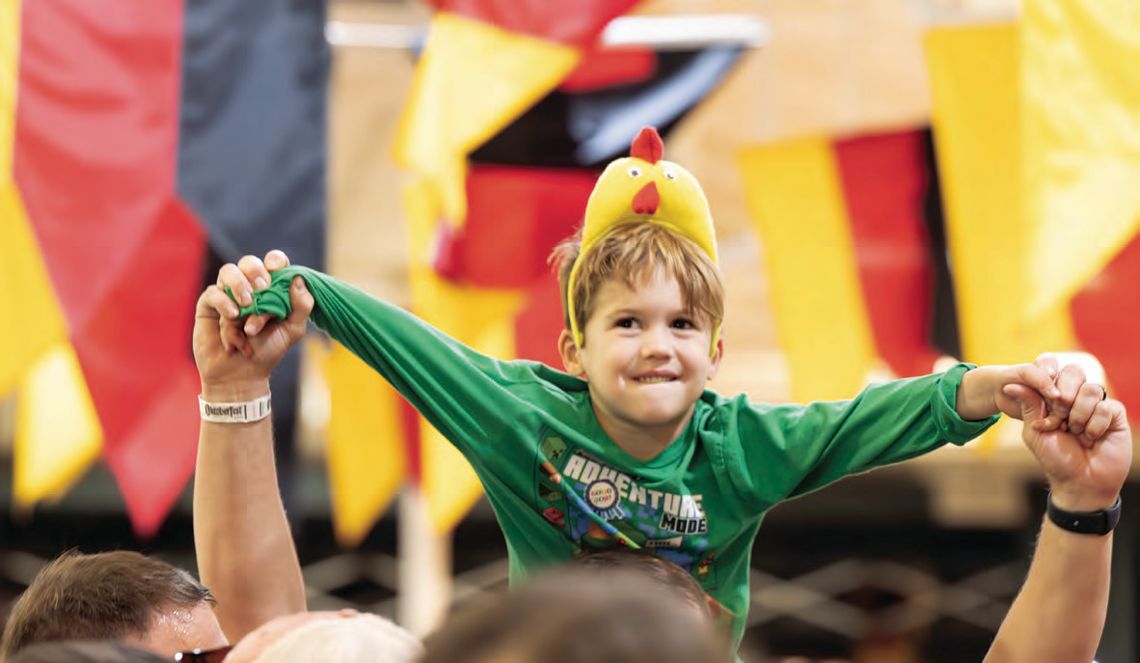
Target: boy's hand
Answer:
[[1085, 471], [234, 359], [980, 393], [1069, 399]]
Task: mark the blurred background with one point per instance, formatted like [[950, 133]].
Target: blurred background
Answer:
[[897, 184]]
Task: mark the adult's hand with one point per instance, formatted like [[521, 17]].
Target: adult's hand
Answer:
[[1086, 461], [234, 356]]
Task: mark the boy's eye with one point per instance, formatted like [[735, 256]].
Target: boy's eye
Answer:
[[683, 323], [626, 323]]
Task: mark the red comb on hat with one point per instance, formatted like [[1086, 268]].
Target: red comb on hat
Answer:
[[647, 145]]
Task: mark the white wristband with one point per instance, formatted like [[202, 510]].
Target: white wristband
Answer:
[[235, 413]]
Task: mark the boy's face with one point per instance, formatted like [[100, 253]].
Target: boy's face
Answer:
[[645, 356]]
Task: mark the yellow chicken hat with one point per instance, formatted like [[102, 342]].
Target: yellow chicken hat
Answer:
[[644, 188]]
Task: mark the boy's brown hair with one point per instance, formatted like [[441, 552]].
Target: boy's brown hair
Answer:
[[632, 253], [105, 596]]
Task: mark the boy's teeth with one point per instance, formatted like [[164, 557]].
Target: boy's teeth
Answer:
[[654, 379]]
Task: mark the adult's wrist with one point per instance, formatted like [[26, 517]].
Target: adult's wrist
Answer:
[[1098, 522], [1082, 500], [234, 391]]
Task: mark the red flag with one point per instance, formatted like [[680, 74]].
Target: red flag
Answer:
[[576, 25], [1106, 320], [534, 207], [884, 181], [484, 64], [95, 144]]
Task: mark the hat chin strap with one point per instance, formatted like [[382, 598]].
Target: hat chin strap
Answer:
[[571, 310]]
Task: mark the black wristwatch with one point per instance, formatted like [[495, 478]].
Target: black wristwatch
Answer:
[[1085, 522]]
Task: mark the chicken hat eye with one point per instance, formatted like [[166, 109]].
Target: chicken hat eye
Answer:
[[634, 171], [670, 174]]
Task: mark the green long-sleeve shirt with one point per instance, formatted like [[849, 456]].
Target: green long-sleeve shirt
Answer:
[[559, 485]]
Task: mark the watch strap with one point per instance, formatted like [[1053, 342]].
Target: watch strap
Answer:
[[1098, 522]]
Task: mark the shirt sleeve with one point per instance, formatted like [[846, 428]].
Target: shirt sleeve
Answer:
[[471, 398], [788, 450]]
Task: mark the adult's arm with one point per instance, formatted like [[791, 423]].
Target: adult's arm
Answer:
[[1060, 612], [244, 547]]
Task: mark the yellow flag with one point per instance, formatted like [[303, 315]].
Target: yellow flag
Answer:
[[1081, 84], [367, 463], [57, 430], [974, 75], [472, 80], [9, 73], [481, 318], [33, 322], [794, 195]]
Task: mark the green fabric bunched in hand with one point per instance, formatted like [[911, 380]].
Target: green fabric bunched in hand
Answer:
[[274, 300], [347, 314]]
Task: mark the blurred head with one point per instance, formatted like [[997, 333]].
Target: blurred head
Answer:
[[344, 636], [578, 615], [119, 595], [659, 570], [84, 651]]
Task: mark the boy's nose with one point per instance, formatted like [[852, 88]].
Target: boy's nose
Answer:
[[655, 343]]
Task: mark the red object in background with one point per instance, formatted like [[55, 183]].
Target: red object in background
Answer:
[[448, 258], [884, 179], [95, 144], [537, 326], [515, 216], [1106, 319], [410, 420], [135, 357], [576, 24], [607, 67]]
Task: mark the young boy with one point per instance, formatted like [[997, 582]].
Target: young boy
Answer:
[[628, 446]]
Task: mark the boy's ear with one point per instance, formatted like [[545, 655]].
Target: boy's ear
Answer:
[[568, 350], [714, 361]]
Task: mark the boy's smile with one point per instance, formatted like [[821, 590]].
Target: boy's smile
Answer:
[[646, 357]]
